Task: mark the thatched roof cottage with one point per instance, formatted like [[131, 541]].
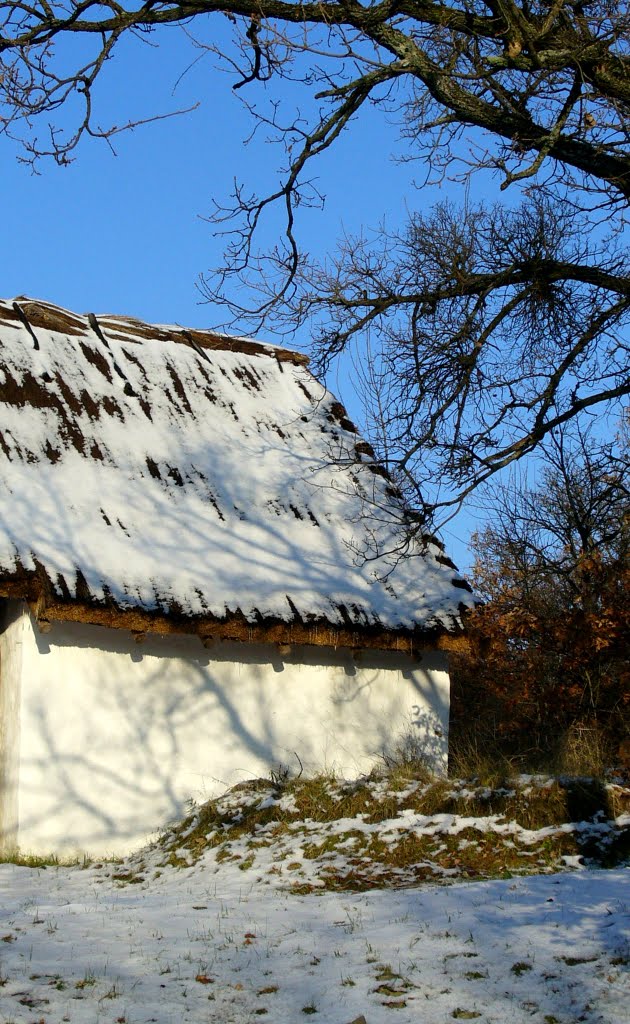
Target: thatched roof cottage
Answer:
[[199, 578]]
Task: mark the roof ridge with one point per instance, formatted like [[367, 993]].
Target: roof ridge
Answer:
[[49, 316]]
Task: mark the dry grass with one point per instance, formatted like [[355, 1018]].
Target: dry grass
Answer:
[[51, 860], [320, 831], [481, 745]]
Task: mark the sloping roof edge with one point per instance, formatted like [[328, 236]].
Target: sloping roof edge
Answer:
[[34, 313]]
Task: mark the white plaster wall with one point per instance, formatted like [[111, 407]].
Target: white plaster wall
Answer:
[[116, 737], [13, 623]]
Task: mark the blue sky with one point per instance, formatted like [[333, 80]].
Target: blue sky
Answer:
[[126, 233]]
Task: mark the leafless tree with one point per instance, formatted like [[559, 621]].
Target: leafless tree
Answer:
[[489, 327], [540, 535]]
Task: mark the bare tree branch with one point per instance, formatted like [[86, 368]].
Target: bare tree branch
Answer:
[[488, 329]]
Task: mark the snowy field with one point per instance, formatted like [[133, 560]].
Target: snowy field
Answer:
[[211, 943]]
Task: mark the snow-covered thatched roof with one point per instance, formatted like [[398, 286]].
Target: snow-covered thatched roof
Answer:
[[178, 480]]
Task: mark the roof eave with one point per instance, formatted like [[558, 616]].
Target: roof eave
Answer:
[[234, 626]]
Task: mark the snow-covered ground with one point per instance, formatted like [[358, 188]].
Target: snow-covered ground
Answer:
[[214, 943]]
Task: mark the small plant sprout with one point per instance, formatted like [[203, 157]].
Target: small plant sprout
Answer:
[[114, 992], [88, 979], [521, 967]]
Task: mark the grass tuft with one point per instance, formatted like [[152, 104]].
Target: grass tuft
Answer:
[[51, 860]]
